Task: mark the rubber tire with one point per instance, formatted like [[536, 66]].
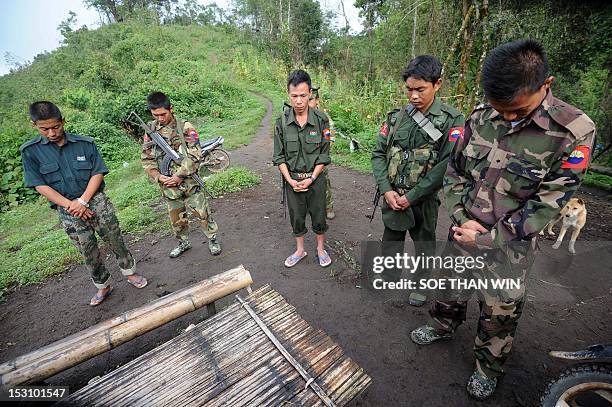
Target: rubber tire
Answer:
[[584, 373], [226, 161]]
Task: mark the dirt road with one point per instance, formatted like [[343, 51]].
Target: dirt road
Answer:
[[567, 310]]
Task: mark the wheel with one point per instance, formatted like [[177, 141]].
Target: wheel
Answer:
[[217, 161], [582, 385]]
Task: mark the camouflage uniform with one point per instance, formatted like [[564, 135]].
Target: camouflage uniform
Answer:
[[188, 193], [513, 181], [421, 174], [67, 169], [82, 234]]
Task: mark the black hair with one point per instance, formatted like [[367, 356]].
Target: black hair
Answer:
[[156, 100], [297, 77], [514, 68], [44, 110], [425, 67]]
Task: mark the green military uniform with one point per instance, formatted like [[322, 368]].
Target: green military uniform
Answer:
[[329, 198], [67, 169], [184, 139], [513, 181], [414, 165], [302, 148]]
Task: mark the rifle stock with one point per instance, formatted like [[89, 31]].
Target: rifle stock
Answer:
[[170, 155]]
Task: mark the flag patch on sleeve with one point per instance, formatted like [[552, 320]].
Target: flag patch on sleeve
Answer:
[[578, 159], [193, 134], [384, 130], [327, 134], [455, 133]]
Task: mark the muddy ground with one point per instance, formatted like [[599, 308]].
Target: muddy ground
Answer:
[[567, 309]]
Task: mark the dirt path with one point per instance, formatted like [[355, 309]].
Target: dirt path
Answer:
[[374, 333]]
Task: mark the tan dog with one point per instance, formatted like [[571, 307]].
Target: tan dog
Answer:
[[574, 215]]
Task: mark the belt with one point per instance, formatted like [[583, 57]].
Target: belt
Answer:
[[301, 175]]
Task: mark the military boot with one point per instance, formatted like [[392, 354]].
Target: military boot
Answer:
[[424, 335], [183, 246], [214, 246], [480, 386]]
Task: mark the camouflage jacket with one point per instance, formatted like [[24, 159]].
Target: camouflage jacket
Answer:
[[152, 156], [513, 181]]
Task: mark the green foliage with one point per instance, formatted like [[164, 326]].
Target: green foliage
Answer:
[[99, 76], [232, 180], [596, 180]]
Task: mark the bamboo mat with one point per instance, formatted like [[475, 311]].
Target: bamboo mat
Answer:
[[228, 360]]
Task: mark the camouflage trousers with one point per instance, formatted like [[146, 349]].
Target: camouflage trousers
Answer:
[[83, 235], [329, 199], [500, 311], [197, 201]]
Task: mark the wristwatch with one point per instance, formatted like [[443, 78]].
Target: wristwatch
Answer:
[[82, 202], [313, 177]]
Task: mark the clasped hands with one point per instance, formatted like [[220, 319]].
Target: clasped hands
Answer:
[[396, 201], [173, 181], [301, 186], [467, 232], [78, 210]]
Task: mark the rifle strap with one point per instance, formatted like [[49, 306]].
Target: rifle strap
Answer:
[[427, 126], [396, 125]]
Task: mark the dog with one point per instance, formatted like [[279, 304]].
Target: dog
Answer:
[[574, 215]]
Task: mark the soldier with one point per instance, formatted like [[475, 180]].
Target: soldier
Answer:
[[179, 189], [520, 160], [301, 151], [409, 161], [313, 103], [67, 169]]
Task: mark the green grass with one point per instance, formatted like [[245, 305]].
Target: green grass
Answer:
[[237, 132], [34, 247], [233, 180], [596, 180]]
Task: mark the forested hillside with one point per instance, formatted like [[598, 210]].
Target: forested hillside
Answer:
[[208, 59]]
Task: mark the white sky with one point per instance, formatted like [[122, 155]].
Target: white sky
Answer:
[[29, 27]]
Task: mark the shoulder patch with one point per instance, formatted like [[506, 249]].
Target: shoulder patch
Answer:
[[30, 142], [455, 134], [384, 130], [578, 159]]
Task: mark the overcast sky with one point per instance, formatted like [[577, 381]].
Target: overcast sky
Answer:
[[29, 27]]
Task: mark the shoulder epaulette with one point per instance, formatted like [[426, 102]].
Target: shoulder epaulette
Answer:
[[321, 114], [82, 138], [392, 115], [450, 110], [30, 142], [572, 118]]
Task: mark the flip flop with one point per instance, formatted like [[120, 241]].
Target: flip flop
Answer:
[[141, 282], [293, 259], [324, 260], [97, 299]]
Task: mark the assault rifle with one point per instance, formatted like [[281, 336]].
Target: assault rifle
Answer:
[[170, 155], [375, 203]]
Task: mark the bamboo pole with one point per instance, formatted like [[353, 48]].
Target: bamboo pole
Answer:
[[453, 48], [84, 345]]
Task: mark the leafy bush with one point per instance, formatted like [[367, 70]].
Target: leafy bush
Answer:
[[233, 180]]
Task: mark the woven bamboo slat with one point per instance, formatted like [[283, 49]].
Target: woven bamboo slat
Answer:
[[228, 360]]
